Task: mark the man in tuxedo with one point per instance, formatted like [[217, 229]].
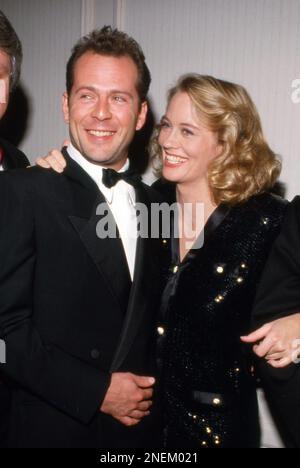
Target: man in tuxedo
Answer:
[[77, 307], [277, 340], [10, 157]]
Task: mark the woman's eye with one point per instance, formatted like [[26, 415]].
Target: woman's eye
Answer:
[[164, 125], [187, 132]]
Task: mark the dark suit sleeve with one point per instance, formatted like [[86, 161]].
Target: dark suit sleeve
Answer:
[[278, 296], [60, 379], [279, 290]]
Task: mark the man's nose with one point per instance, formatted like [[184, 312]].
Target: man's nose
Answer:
[[102, 109]]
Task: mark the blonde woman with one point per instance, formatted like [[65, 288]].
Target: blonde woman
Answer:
[[211, 147], [210, 150]]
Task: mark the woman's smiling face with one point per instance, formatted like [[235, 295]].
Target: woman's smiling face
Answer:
[[188, 147]]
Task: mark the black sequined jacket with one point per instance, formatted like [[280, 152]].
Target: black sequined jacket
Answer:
[[207, 376]]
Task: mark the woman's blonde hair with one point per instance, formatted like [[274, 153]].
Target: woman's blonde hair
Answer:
[[246, 166]]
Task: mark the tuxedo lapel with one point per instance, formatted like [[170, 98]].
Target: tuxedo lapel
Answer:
[[144, 274], [106, 252], [109, 256]]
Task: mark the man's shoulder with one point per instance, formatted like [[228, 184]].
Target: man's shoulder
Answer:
[[295, 203], [31, 179], [293, 212]]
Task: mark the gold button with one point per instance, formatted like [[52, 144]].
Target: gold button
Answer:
[[161, 331], [240, 280], [216, 401], [219, 299], [208, 430], [220, 270], [175, 269], [244, 266], [165, 241], [204, 444]]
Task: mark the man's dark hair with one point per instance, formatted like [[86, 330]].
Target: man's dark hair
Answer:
[[115, 43], [11, 44]]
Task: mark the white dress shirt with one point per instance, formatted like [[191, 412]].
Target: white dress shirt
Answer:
[[121, 201]]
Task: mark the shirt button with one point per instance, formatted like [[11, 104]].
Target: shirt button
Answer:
[[95, 354]]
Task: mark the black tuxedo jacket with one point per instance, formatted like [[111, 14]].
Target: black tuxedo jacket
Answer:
[[68, 312], [13, 158], [278, 296]]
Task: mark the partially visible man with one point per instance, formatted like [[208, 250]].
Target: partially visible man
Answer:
[[78, 306], [277, 313], [10, 157]]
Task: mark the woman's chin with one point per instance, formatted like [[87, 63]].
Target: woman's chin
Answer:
[[172, 174]]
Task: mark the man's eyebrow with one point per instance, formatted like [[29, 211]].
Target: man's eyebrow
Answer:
[[120, 91], [95, 90], [89, 88]]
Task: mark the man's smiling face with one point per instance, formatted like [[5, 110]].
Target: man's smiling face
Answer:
[[103, 109]]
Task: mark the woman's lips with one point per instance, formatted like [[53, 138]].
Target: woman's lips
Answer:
[[173, 161]]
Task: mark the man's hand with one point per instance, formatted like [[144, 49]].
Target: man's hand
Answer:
[[54, 160], [277, 341], [128, 398]]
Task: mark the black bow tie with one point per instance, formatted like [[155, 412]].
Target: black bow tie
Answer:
[[111, 177]]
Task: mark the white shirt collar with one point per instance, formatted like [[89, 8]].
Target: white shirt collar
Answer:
[[96, 172]]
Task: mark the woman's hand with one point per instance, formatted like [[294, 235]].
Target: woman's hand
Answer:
[[278, 342], [54, 160]]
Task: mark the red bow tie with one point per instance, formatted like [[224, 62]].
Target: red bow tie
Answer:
[[1, 156]]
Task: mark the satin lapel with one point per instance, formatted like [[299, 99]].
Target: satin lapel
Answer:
[[106, 252], [144, 273], [215, 220]]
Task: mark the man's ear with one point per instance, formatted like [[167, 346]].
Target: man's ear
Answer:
[[142, 116], [65, 107]]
